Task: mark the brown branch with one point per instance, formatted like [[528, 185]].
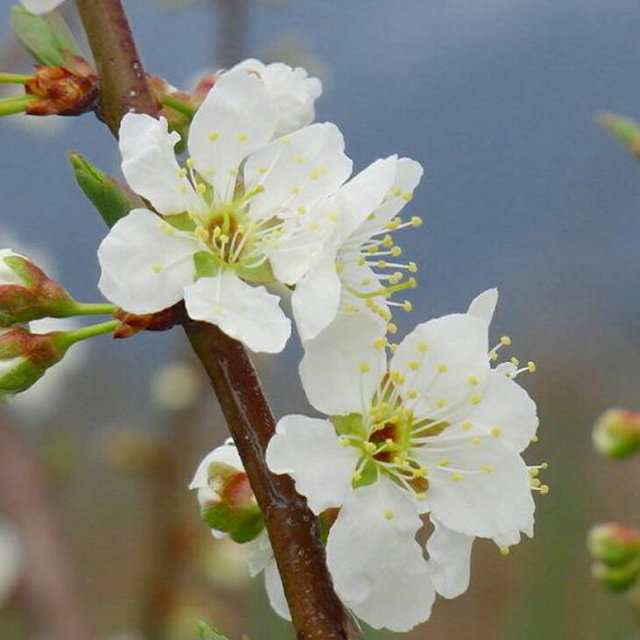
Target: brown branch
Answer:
[[47, 578], [317, 612]]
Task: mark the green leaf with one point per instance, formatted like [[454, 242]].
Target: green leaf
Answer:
[[207, 632], [47, 38], [112, 199]]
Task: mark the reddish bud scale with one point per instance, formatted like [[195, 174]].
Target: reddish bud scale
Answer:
[[132, 323], [237, 491], [66, 91]]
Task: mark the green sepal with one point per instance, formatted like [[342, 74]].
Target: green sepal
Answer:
[[368, 475], [181, 221], [622, 129], [261, 274], [112, 200], [351, 424], [617, 579], [207, 632], [242, 525], [206, 265], [47, 37]]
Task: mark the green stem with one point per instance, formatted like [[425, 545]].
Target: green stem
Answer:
[[178, 105], [94, 309], [92, 331], [15, 104], [14, 78]]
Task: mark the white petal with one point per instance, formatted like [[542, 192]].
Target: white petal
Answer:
[[332, 367], [309, 450], [259, 553], [249, 314], [449, 351], [297, 170], [145, 263], [483, 490], [226, 454], [377, 566], [149, 164], [484, 305], [408, 175], [449, 560], [40, 6], [236, 118], [316, 298], [364, 193], [291, 90], [275, 591], [505, 404]]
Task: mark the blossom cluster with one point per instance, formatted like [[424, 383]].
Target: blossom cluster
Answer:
[[425, 433]]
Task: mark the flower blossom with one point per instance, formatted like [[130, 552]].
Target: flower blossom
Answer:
[[435, 430], [206, 481], [358, 269], [228, 220], [291, 89], [40, 6]]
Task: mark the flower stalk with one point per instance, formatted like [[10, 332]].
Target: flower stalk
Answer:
[[316, 611]]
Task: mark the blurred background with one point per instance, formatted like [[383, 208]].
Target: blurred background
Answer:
[[496, 98]]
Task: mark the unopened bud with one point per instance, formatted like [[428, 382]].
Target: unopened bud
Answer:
[[614, 544], [617, 579], [27, 293], [617, 433], [623, 130], [25, 357]]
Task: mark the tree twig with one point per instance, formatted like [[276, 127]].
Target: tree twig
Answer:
[[316, 611]]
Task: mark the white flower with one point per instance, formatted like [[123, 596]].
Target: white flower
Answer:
[[358, 270], [292, 91], [436, 430], [40, 6], [238, 196], [260, 555]]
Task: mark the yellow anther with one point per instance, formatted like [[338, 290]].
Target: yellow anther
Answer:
[[475, 399], [396, 251], [531, 366], [396, 191], [356, 476], [414, 365], [157, 267], [476, 440], [317, 173], [201, 188], [472, 380], [413, 267], [369, 447], [466, 426], [313, 226], [407, 195], [495, 431], [441, 403], [393, 347], [487, 468], [299, 159], [443, 462], [412, 394], [263, 170], [190, 163], [233, 172], [285, 140], [421, 496], [397, 377], [380, 343], [505, 340], [364, 367], [388, 514], [167, 229], [423, 347], [493, 357], [457, 477], [243, 137], [416, 221], [295, 189], [210, 171], [420, 472], [183, 189], [182, 173], [381, 264], [544, 489], [387, 241], [534, 439], [515, 362], [441, 367], [535, 482], [301, 210], [505, 551], [213, 136], [534, 472], [332, 217], [544, 465], [392, 328], [407, 306]]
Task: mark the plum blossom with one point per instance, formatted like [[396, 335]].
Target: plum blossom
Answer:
[[260, 555], [228, 220], [437, 430], [291, 89], [359, 268], [40, 6]]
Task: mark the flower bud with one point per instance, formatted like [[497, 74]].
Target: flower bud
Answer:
[[617, 433], [614, 544], [617, 579], [228, 505], [25, 357], [26, 293]]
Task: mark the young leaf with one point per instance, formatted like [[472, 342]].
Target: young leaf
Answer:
[[209, 633]]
